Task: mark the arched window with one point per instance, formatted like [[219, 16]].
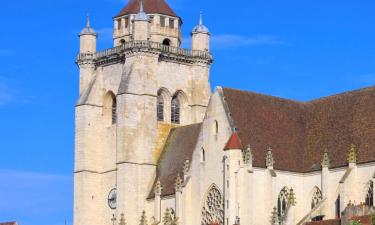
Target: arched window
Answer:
[[215, 127], [167, 42], [282, 202], [213, 207], [175, 110], [110, 108], [370, 193], [316, 197], [160, 107], [337, 206], [203, 155], [122, 42]]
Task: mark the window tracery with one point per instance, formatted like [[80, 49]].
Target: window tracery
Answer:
[[316, 198], [160, 107], [213, 210], [370, 193], [282, 202]]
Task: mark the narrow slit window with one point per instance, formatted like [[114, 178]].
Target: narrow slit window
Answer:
[[175, 110]]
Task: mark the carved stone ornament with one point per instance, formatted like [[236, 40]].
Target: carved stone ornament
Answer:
[[169, 217], [158, 188], [178, 184], [122, 219], [352, 156], [186, 167], [143, 218], [269, 159], [292, 197], [274, 217], [248, 155], [326, 163]]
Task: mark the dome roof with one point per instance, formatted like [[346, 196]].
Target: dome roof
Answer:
[[200, 28], [88, 30], [150, 6]]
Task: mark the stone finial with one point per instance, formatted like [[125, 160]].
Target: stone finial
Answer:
[[143, 218], [158, 188], [292, 197], [153, 221], [169, 218], [122, 219], [248, 155], [274, 217], [186, 167], [352, 156], [269, 158], [326, 163], [178, 184]]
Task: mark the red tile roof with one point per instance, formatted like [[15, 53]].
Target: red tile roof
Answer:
[[325, 222], [9, 223], [234, 142], [150, 6], [300, 132]]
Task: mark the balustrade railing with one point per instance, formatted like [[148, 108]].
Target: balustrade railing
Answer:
[[147, 45]]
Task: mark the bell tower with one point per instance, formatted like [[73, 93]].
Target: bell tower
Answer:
[[131, 96], [163, 23]]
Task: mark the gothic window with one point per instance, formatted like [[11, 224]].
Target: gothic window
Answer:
[[213, 210], [338, 210], [370, 193], [167, 42], [316, 198], [171, 23], [175, 110], [162, 21], [119, 24], [160, 107], [126, 21], [122, 42], [282, 202], [114, 109]]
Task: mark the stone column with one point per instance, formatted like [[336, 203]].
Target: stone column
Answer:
[[178, 189], [326, 192]]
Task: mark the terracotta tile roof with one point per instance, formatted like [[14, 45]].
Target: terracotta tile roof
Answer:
[[325, 222], [234, 142], [299, 132], [150, 6], [9, 223], [178, 148]]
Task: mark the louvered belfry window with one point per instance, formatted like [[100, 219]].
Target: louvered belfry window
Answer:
[[114, 109], [175, 110]]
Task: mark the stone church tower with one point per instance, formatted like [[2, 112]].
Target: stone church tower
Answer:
[[131, 95]]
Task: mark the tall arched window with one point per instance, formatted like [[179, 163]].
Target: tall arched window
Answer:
[[370, 193], [282, 202], [160, 107], [175, 110], [337, 206], [110, 108], [215, 128], [316, 197], [203, 155]]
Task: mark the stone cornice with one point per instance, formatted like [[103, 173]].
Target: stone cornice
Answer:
[[168, 53]]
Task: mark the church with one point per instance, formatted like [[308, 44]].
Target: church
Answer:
[[155, 145]]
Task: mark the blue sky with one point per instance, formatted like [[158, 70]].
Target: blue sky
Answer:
[[291, 48]]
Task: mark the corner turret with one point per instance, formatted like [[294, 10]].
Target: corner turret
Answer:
[[200, 36], [141, 25], [87, 38]]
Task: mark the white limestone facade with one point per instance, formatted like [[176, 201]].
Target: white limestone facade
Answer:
[[152, 140]]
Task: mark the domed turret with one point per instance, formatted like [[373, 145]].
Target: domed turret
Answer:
[[200, 36], [88, 38]]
